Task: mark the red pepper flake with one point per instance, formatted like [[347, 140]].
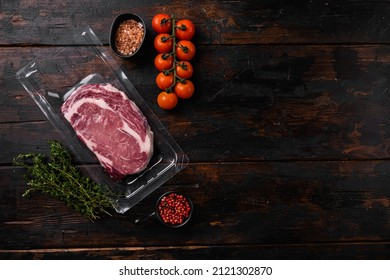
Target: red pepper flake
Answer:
[[174, 209]]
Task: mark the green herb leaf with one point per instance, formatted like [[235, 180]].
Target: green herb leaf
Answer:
[[59, 178]]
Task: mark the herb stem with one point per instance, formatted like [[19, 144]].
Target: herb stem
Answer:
[[59, 178]]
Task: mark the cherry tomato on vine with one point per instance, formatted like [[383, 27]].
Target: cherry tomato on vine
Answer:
[[184, 29], [167, 101], [163, 61], [184, 69], [163, 43], [164, 81], [161, 23], [184, 89], [185, 50]]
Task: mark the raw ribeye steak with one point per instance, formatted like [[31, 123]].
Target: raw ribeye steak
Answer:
[[112, 127]]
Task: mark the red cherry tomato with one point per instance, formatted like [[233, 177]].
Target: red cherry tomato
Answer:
[[161, 23], [163, 43], [185, 29], [167, 101], [185, 50], [184, 89], [164, 81], [163, 61], [184, 69]]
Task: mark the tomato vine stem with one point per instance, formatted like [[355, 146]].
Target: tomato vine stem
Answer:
[[173, 54], [164, 21], [164, 39], [173, 35], [182, 27], [166, 55]]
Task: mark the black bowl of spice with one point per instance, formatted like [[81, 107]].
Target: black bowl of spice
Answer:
[[174, 209], [127, 35]]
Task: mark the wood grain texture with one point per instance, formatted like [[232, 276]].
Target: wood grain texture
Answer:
[[287, 134], [219, 22], [327, 251], [328, 102], [235, 203]]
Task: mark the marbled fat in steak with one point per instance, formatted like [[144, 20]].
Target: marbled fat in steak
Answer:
[[112, 127]]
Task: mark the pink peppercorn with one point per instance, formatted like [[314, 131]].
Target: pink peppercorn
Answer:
[[174, 209]]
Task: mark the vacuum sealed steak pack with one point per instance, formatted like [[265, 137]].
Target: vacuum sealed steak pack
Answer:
[[102, 119]]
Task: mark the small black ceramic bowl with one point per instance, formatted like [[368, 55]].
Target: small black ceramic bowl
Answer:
[[114, 28], [176, 199]]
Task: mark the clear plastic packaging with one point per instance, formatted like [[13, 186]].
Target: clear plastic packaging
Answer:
[[50, 80]]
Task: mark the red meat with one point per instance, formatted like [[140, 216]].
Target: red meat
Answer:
[[112, 127]]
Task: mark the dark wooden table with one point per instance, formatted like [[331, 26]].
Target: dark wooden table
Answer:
[[288, 133]]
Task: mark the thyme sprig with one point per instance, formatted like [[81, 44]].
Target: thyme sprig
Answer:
[[58, 177]]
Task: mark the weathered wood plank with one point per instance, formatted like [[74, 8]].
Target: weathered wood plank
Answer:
[[235, 203], [218, 22], [329, 102], [286, 91], [241, 77], [213, 141], [344, 251]]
